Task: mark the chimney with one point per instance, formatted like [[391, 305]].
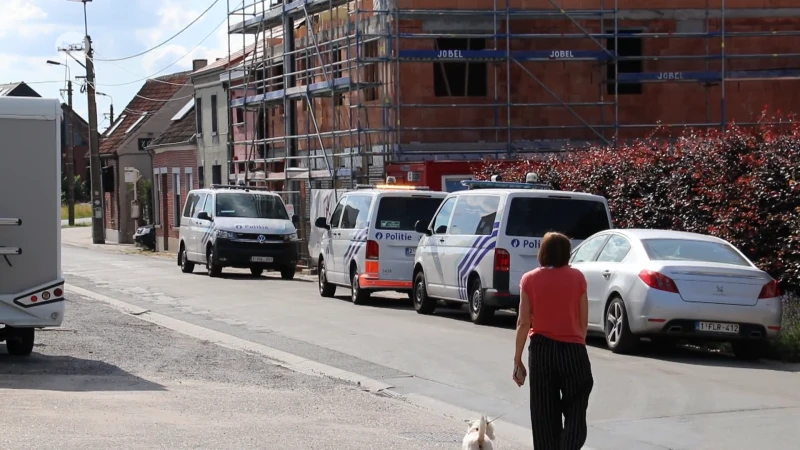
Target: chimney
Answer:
[[198, 64]]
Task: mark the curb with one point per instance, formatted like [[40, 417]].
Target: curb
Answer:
[[509, 432]]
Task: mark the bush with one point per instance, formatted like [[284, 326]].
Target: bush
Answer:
[[742, 185]]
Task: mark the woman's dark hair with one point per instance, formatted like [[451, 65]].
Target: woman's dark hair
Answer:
[[555, 250]]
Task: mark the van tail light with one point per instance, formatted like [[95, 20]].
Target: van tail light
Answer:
[[373, 250], [770, 290], [502, 260], [658, 281]]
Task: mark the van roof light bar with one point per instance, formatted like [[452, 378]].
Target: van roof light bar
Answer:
[[239, 188], [392, 187], [473, 184]]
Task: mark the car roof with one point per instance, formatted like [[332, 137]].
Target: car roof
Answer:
[[530, 193], [234, 191], [642, 234]]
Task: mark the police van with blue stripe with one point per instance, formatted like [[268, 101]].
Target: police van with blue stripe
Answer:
[[369, 241], [483, 239]]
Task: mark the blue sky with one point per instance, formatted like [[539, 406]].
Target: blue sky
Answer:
[[32, 30]]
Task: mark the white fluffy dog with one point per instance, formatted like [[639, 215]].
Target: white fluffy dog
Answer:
[[480, 436]]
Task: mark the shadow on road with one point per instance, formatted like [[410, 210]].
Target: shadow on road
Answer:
[[67, 374], [267, 276]]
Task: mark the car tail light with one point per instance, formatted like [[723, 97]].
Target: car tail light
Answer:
[[373, 250], [770, 290], [58, 292], [502, 260], [658, 281]]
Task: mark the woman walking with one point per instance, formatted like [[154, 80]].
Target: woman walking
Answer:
[[554, 312]]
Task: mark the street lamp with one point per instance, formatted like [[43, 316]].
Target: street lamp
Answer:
[[111, 109]]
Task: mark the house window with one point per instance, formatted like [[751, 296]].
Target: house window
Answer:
[[199, 114], [176, 190], [239, 115], [371, 71], [201, 176], [214, 125], [460, 79], [277, 77], [629, 46], [216, 174], [336, 61], [189, 180], [157, 200]]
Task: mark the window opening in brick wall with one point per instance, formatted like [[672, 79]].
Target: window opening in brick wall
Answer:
[[336, 61], [460, 79], [176, 200], [371, 71], [216, 174], [157, 199], [629, 46], [201, 177], [239, 115]]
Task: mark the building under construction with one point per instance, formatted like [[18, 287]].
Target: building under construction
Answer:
[[334, 92]]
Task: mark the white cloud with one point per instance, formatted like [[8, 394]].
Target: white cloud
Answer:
[[26, 19]]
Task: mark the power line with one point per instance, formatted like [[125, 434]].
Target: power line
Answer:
[[165, 42], [151, 76]]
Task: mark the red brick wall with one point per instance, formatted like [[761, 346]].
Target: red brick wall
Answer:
[[573, 82], [182, 160]]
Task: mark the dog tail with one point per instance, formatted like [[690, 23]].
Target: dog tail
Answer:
[[482, 429]]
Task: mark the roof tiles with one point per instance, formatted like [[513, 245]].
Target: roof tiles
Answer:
[[181, 131], [150, 99]]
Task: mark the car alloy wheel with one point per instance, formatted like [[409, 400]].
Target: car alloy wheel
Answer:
[[614, 320]]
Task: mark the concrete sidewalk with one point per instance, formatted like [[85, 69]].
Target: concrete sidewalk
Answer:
[[82, 237]]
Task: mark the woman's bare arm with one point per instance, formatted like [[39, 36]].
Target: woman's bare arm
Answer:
[[523, 325], [584, 311]]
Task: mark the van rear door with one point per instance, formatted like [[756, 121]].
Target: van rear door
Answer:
[[394, 230], [530, 215]]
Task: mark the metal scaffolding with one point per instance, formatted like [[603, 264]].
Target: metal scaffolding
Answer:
[[346, 79]]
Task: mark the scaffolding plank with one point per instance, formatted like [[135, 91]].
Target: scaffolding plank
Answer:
[[708, 75], [314, 90], [499, 55], [274, 16]]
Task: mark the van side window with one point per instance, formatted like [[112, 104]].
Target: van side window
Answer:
[[191, 203], [208, 205], [337, 213], [356, 212], [475, 215], [201, 203], [443, 218]]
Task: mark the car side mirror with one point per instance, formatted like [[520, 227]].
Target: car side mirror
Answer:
[[295, 220], [421, 227], [322, 223], [204, 216]]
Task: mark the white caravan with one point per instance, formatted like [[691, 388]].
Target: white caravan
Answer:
[[31, 282]]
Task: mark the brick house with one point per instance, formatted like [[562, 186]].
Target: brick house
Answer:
[[124, 145], [174, 175]]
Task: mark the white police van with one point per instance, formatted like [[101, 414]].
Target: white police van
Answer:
[[482, 240], [369, 241], [237, 226]]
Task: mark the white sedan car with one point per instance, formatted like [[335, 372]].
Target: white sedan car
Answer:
[[671, 285]]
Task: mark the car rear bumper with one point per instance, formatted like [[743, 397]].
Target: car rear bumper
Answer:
[[377, 284], [237, 254], [667, 314], [500, 299]]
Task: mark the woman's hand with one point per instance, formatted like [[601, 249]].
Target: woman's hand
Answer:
[[519, 373]]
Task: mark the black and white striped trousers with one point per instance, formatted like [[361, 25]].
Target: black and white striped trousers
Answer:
[[560, 382]]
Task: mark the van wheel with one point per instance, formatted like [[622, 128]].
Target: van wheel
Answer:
[[19, 341], [479, 313], [256, 271], [213, 268], [618, 333], [183, 261], [325, 289], [357, 295], [287, 273], [422, 303]]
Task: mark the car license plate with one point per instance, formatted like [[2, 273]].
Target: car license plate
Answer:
[[411, 251], [261, 259], [716, 327]]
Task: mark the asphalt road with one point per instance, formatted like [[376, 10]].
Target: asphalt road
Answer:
[[683, 400], [111, 380]]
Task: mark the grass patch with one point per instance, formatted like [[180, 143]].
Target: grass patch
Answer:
[[82, 211]]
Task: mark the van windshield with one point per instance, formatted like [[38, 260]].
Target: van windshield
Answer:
[[253, 206], [401, 213], [535, 216]]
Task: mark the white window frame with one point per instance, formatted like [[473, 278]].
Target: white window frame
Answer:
[[115, 124], [176, 197], [157, 194], [189, 178]]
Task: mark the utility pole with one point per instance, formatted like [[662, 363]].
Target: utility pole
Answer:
[[111, 114], [70, 165], [98, 225]]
